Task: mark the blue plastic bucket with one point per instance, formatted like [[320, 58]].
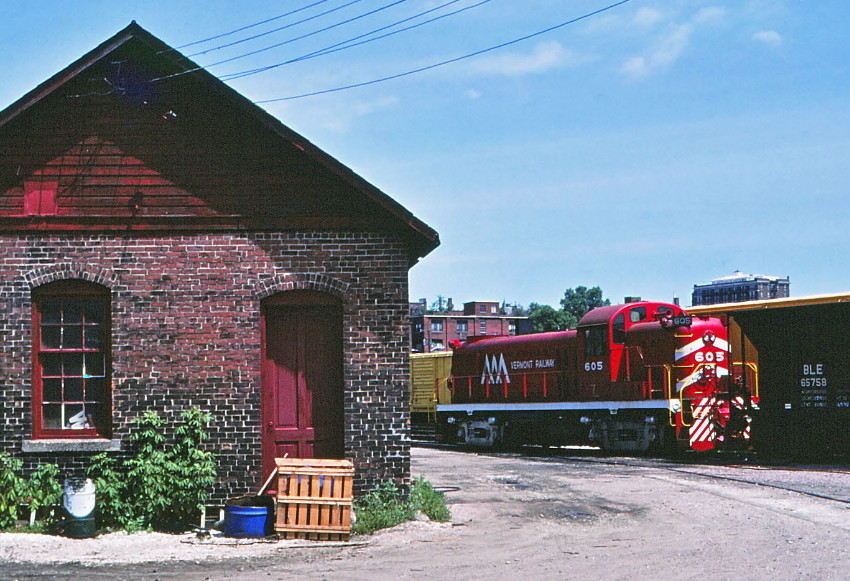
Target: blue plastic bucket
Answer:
[[249, 517]]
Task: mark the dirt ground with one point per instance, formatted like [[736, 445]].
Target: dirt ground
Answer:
[[544, 517]]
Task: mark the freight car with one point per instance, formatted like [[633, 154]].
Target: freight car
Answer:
[[631, 377]]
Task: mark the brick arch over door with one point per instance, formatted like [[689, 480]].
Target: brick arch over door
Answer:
[[302, 281], [302, 376]]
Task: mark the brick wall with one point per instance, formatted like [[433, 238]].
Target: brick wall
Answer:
[[186, 331]]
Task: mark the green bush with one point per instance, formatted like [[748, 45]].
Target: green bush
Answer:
[[382, 508], [164, 484], [385, 506], [429, 501], [41, 490], [11, 490]]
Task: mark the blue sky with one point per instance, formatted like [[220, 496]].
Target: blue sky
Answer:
[[647, 148]]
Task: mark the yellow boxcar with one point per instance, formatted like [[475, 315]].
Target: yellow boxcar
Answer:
[[429, 373]]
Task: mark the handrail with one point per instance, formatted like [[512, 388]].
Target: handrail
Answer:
[[487, 384], [755, 369]]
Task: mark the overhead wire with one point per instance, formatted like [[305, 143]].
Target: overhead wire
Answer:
[[352, 42], [249, 26], [268, 32], [289, 41], [448, 61]]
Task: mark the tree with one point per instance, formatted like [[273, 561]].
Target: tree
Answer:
[[577, 302], [441, 305], [545, 318]]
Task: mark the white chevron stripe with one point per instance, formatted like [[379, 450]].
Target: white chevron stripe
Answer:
[[698, 344], [696, 375]]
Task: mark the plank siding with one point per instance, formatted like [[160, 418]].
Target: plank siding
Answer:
[[116, 160]]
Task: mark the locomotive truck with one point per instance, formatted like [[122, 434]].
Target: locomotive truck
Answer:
[[634, 377]]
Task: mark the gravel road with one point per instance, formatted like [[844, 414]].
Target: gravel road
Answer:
[[550, 516]]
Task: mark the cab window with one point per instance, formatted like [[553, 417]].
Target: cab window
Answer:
[[664, 311], [619, 329], [595, 339], [637, 314]]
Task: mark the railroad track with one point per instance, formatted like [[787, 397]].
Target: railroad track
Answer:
[[828, 482]]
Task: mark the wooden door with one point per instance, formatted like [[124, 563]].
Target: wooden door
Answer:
[[302, 378]]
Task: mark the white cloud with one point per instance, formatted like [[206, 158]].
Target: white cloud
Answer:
[[647, 17], [709, 13], [472, 94], [367, 107], [666, 51], [670, 43], [545, 56], [769, 37], [342, 115], [635, 67]]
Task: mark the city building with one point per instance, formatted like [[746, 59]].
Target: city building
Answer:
[[435, 329], [739, 287]]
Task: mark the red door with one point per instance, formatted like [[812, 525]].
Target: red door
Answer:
[[302, 377]]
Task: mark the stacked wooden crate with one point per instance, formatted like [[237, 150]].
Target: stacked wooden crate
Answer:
[[314, 498]]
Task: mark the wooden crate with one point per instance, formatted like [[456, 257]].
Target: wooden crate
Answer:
[[314, 498]]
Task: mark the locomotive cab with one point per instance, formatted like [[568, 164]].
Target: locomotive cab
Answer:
[[627, 361]]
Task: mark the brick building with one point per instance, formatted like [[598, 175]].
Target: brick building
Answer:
[[165, 243], [739, 287], [434, 330]]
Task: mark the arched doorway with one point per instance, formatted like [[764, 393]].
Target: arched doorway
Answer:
[[302, 374]]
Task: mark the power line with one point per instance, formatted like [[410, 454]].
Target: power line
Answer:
[[266, 21], [350, 43], [325, 13], [291, 40], [449, 61]]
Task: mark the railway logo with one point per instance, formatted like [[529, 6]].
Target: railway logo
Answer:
[[495, 369]]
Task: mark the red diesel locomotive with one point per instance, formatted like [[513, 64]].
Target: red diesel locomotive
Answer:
[[631, 377]]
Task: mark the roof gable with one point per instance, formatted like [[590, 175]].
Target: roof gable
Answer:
[[122, 149]]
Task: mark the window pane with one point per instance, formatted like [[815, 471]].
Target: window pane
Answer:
[[94, 337], [52, 417], [50, 312], [97, 415], [51, 390], [96, 390], [75, 417], [73, 312], [93, 311], [637, 314], [74, 389], [51, 364], [72, 337], [94, 364], [51, 337], [73, 364]]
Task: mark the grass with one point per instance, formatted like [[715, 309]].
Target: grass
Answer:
[[385, 506]]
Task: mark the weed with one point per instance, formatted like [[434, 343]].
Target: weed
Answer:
[[385, 506]]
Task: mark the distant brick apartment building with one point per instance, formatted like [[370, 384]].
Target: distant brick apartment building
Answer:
[[434, 330], [739, 287]]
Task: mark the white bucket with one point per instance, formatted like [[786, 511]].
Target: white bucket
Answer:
[[79, 497]]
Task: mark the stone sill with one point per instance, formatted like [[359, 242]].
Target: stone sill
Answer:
[[56, 445]]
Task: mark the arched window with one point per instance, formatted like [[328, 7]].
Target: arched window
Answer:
[[71, 360]]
